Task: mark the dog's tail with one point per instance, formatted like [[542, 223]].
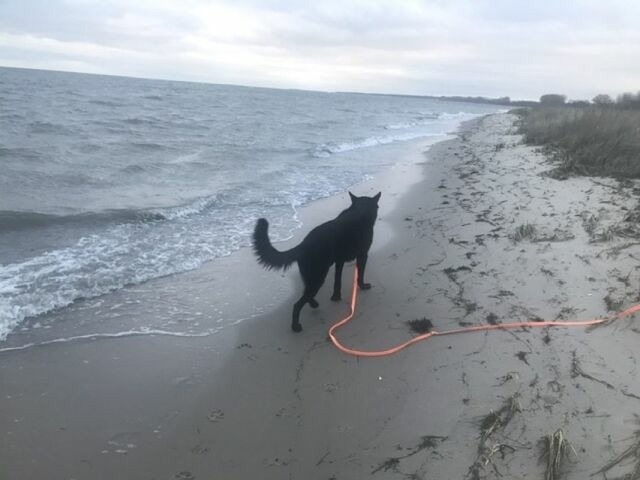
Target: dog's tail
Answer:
[[268, 256]]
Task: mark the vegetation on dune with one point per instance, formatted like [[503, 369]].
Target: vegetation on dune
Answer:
[[603, 139]]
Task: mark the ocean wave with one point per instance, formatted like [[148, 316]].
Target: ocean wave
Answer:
[[325, 150], [231, 197], [130, 254], [11, 116], [21, 154], [131, 170], [140, 121], [13, 221], [183, 211], [148, 146], [106, 103], [428, 118], [457, 115], [423, 119], [189, 158], [101, 263], [94, 266], [48, 127]]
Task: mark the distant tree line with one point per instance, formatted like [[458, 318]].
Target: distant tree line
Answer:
[[493, 101], [457, 98], [625, 101]]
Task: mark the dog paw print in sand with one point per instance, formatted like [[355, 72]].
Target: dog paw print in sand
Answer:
[[215, 415], [200, 450], [276, 462], [330, 387], [184, 475]]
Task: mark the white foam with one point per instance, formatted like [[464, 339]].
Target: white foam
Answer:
[[197, 206], [100, 336], [123, 255], [326, 150], [425, 119], [188, 158], [97, 265]]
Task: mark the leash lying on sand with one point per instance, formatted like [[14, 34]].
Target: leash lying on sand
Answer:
[[476, 328]]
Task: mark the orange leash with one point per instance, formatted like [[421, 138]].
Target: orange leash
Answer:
[[476, 328]]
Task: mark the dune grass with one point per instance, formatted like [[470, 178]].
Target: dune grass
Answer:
[[586, 141]]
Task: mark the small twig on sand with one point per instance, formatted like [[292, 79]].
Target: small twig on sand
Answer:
[[632, 451], [500, 418], [494, 422], [577, 371], [427, 441]]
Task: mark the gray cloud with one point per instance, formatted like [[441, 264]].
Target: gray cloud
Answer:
[[483, 47]]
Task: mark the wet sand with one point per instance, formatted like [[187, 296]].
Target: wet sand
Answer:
[[480, 237]]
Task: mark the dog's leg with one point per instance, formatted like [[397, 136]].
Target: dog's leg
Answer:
[[310, 290], [361, 262], [337, 284], [295, 321], [313, 303]]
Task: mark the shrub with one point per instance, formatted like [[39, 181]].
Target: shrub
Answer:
[[552, 99], [602, 100]]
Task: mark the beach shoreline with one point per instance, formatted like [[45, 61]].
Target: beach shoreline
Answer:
[[41, 373], [261, 401]]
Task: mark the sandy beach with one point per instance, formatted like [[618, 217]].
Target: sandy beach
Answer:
[[476, 233]]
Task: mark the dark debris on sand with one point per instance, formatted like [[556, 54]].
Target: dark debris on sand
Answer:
[[420, 325]]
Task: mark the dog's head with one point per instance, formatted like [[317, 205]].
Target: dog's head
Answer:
[[367, 206]]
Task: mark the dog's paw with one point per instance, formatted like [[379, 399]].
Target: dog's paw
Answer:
[[365, 286], [336, 297], [313, 303], [296, 327]]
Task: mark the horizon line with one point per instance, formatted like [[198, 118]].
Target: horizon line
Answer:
[[205, 82]]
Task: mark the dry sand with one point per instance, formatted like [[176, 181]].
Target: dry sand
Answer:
[[481, 237]]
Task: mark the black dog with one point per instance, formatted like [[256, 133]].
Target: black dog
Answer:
[[340, 240]]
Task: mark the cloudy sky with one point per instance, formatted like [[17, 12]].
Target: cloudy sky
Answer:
[[477, 47]]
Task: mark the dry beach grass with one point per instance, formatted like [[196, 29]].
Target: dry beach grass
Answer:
[[590, 141]]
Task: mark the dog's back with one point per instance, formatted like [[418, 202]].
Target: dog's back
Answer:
[[345, 238]]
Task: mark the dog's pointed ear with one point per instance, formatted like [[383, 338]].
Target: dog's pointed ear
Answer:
[[377, 197], [353, 197]]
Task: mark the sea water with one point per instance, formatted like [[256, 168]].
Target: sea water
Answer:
[[107, 182]]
